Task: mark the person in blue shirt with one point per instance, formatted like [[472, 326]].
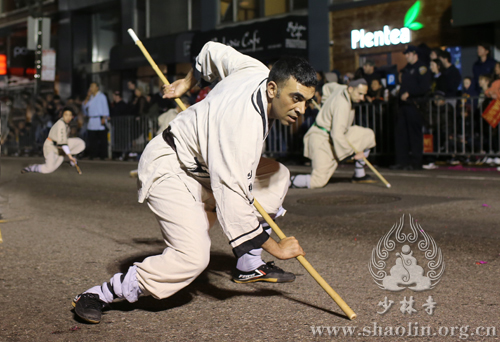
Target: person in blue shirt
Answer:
[[484, 65], [96, 108]]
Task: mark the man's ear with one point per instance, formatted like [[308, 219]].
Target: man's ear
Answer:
[[272, 89]]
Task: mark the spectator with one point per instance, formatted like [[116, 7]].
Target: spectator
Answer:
[[118, 106], [320, 76], [494, 90], [467, 89], [434, 54], [368, 72], [438, 83], [375, 93], [484, 64], [451, 75], [140, 104], [131, 89], [96, 108]]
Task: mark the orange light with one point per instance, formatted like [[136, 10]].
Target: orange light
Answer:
[[30, 71], [3, 64]]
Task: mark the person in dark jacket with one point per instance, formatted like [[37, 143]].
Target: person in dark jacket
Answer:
[[415, 84], [438, 82], [451, 75], [484, 65], [118, 106]]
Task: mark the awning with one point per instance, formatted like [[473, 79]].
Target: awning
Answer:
[[265, 40], [164, 50]]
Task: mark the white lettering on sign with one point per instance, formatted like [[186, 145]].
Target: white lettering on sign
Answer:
[[362, 39]]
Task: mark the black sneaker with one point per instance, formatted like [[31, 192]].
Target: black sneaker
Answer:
[[89, 307], [25, 170], [268, 272], [366, 179]]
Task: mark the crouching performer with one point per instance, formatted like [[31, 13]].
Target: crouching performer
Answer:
[[57, 145], [207, 167], [329, 139]]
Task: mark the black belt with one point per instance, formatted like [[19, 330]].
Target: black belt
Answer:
[[169, 138]]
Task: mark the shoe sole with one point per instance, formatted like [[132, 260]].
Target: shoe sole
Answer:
[[73, 303], [268, 280]]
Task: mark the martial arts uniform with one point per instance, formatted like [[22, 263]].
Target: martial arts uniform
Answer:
[[326, 142], [206, 167], [56, 142]]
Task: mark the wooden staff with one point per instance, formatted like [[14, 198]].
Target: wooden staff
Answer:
[[364, 158], [340, 302], [348, 311]]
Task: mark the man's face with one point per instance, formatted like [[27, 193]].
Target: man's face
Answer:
[[481, 51], [290, 102], [130, 85], [116, 98], [368, 69], [411, 57], [93, 88], [358, 93]]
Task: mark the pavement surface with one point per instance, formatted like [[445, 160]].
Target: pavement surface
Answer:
[[64, 233]]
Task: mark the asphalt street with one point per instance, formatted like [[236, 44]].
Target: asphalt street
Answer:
[[63, 233]]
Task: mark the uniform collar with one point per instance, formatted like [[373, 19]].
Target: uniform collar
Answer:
[[259, 102]]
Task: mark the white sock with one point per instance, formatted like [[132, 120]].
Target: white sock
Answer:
[[359, 166], [301, 181], [33, 168], [120, 286], [253, 259]]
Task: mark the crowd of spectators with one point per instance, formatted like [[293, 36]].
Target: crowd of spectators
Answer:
[[26, 121]]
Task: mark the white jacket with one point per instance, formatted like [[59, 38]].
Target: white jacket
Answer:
[[219, 140]]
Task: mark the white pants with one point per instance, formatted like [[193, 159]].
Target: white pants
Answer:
[[321, 152], [185, 211], [52, 158]]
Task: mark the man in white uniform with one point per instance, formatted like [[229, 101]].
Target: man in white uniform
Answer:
[[207, 167], [57, 145], [329, 139]]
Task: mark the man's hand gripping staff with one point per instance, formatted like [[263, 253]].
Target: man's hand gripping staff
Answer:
[[287, 248]]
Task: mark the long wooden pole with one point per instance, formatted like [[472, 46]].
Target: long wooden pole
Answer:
[[364, 158], [340, 302], [347, 310]]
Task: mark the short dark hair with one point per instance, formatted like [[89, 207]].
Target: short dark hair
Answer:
[[467, 78], [445, 54], [438, 63], [486, 46], [295, 67], [70, 109], [370, 62]]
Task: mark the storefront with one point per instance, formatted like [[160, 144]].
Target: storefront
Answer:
[[267, 40], [380, 32]]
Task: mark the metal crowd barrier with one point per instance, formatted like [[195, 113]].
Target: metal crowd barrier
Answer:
[[455, 126], [131, 134], [288, 140]]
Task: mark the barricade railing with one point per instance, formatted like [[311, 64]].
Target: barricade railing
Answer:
[[131, 134], [455, 126], [288, 140]]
